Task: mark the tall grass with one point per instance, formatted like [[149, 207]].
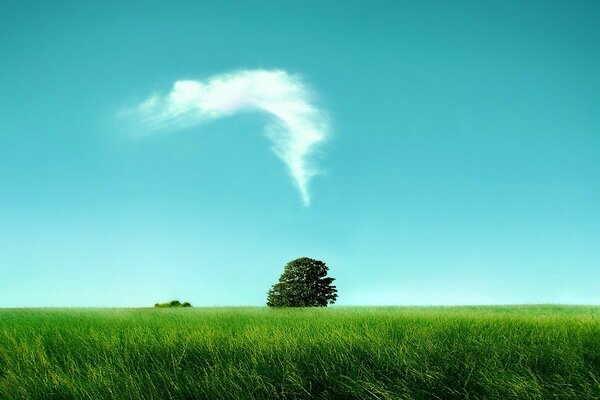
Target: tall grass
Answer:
[[537, 352]]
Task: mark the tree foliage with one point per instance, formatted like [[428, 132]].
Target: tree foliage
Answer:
[[174, 303], [303, 283]]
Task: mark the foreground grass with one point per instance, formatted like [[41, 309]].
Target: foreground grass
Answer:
[[536, 352]]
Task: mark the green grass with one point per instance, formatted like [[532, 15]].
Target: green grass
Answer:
[[514, 352]]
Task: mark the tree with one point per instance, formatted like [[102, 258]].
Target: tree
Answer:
[[172, 304], [303, 283]]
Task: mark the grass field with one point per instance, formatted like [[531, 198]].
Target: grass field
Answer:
[[513, 352]]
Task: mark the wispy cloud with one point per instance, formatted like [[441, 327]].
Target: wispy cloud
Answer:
[[297, 128]]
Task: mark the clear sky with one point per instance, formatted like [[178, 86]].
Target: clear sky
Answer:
[[460, 161]]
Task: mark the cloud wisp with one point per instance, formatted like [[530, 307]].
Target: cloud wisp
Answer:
[[298, 126]]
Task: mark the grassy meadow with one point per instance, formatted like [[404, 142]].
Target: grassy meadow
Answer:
[[512, 352]]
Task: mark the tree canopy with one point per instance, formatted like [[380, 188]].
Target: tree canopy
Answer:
[[174, 303], [303, 283]]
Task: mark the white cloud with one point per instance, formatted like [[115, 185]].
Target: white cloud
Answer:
[[298, 125]]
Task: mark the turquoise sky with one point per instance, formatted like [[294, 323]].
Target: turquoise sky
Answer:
[[463, 164]]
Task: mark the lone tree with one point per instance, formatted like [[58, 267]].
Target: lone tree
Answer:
[[303, 283], [172, 304]]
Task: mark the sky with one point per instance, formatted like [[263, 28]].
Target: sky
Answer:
[[430, 152]]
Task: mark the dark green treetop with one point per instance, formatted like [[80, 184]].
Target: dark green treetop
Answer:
[[303, 283], [172, 304]]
